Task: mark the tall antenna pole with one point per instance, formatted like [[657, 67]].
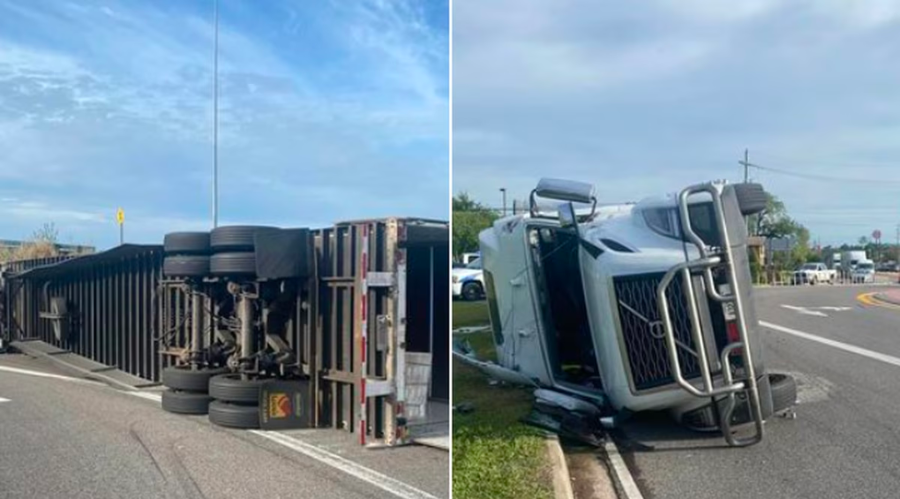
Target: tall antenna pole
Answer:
[[746, 164], [215, 200]]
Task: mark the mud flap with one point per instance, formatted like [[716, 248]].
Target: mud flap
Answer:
[[285, 405]]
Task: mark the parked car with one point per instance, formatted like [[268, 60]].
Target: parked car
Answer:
[[468, 281], [814, 273], [594, 308], [864, 272]]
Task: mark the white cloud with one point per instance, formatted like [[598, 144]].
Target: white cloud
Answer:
[[111, 104], [645, 100]]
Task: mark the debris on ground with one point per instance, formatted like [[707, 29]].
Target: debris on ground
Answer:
[[464, 408]]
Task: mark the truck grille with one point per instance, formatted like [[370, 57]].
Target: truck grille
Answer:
[[645, 346]]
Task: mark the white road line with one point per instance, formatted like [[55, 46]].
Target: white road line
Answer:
[[836, 344], [621, 472], [3, 400], [359, 471], [146, 395], [40, 374], [373, 477], [805, 311]]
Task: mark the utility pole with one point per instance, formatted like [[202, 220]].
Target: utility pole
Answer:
[[898, 244], [503, 191], [215, 200], [746, 164]]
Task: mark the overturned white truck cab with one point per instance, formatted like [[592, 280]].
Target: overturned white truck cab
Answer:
[[636, 307]]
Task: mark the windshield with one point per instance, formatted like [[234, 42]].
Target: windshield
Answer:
[[865, 266], [474, 264], [809, 266]]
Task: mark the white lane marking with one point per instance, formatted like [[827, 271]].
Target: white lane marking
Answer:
[[4, 400], [359, 471], [40, 374], [373, 477], [835, 309], [887, 359], [622, 473], [805, 311], [146, 395]]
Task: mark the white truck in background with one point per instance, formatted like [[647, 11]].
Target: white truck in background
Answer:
[[849, 260], [814, 273]]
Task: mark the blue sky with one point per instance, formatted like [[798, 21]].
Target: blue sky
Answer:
[[645, 100], [329, 110]]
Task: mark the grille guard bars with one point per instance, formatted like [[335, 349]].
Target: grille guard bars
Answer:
[[710, 258]]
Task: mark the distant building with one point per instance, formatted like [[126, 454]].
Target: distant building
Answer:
[[63, 249]]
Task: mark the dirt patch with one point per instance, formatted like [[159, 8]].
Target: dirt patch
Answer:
[[589, 473]]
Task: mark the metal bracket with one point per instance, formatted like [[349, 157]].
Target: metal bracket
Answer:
[[381, 279], [378, 387]]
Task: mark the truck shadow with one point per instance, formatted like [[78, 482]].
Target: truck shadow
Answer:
[[658, 432]]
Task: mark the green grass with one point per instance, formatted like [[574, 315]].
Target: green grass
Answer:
[[494, 455], [470, 313]]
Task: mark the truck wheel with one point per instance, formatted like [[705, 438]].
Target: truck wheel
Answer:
[[179, 402], [471, 291], [231, 388], [784, 395], [186, 243], [234, 415], [185, 378], [242, 263], [784, 391], [235, 237], [186, 266]]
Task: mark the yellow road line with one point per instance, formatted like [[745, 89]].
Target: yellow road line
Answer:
[[870, 300]]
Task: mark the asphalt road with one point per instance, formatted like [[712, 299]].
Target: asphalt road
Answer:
[[80, 439], [845, 440]]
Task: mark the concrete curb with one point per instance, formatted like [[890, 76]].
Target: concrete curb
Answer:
[[886, 298], [562, 481], [624, 481]]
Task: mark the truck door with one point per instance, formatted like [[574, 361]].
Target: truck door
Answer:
[[509, 287]]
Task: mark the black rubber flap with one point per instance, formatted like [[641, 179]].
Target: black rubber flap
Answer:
[[282, 253], [285, 405]]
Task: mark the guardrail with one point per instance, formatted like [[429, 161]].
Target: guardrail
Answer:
[[786, 278]]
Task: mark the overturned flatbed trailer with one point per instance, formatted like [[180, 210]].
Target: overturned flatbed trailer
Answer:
[[369, 327]]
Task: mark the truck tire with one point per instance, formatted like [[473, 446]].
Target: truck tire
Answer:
[[186, 243], [231, 388], [784, 391], [180, 402], [233, 264], [782, 387], [751, 198], [235, 237], [184, 378], [472, 291], [239, 416], [186, 266]]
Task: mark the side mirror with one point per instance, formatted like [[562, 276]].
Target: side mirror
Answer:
[[567, 218], [563, 190]]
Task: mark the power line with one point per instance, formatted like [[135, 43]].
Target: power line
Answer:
[[821, 178], [830, 162]]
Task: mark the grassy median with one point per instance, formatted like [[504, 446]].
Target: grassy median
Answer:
[[494, 455]]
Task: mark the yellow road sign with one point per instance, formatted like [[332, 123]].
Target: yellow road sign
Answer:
[[120, 216]]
